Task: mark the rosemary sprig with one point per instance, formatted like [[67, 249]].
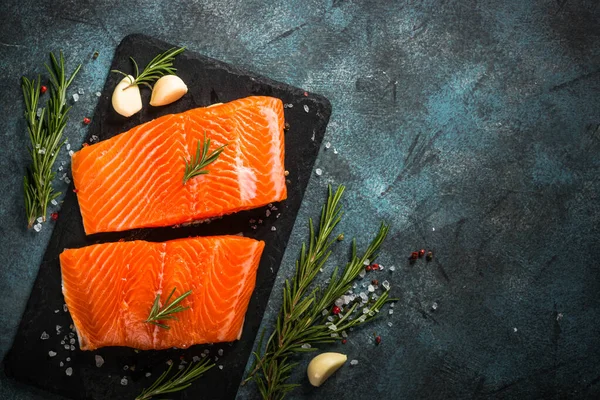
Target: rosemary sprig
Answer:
[[180, 381], [45, 134], [301, 320], [197, 164], [158, 313], [160, 65]]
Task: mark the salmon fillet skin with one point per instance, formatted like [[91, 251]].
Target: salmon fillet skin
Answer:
[[110, 288], [135, 179]]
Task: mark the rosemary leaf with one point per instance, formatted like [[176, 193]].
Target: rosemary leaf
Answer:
[[45, 133], [160, 65], [180, 381], [196, 166], [300, 321], [158, 313]]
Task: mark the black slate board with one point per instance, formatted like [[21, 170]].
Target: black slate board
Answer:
[[209, 82]]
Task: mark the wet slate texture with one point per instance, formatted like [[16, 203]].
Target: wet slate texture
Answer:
[[479, 119]]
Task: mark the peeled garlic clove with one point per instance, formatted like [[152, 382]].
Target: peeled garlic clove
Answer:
[[167, 89], [126, 99], [323, 366]]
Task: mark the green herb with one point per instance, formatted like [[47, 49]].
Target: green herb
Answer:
[[158, 313], [160, 65], [45, 133], [302, 320], [180, 381], [197, 164]]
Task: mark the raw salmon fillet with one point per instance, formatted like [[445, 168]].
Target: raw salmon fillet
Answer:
[[110, 288], [135, 179]]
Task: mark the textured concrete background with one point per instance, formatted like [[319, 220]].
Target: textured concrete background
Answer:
[[473, 127]]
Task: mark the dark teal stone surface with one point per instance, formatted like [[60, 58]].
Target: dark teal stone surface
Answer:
[[471, 126]]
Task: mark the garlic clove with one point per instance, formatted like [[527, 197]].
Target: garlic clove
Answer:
[[167, 89], [126, 98], [323, 366]]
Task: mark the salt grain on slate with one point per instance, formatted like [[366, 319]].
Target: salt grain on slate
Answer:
[[80, 91], [37, 227], [319, 171], [65, 309], [195, 359], [220, 352], [391, 312], [386, 285], [390, 324], [67, 347], [98, 94], [306, 346], [371, 288], [69, 371], [99, 361], [71, 152], [68, 146], [126, 367], [354, 362], [306, 108], [51, 353], [324, 312], [148, 374], [56, 311], [124, 381], [327, 145], [44, 336], [68, 359], [75, 97], [72, 348], [61, 364], [273, 228], [181, 367], [220, 367]]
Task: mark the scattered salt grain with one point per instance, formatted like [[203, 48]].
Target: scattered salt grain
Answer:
[[339, 302], [206, 351], [344, 334], [386, 285], [44, 336], [306, 346], [99, 361], [216, 358], [333, 327], [390, 324], [306, 108], [392, 268], [62, 342], [80, 91], [170, 362], [72, 341], [273, 228], [62, 364], [330, 318], [434, 306], [58, 328], [335, 151], [67, 347], [71, 152], [319, 171], [381, 267], [51, 353], [354, 362], [67, 180], [391, 312], [327, 145], [559, 316], [56, 311], [374, 296], [42, 151], [195, 359], [324, 312], [362, 273], [72, 348], [365, 310], [392, 305], [220, 367], [433, 229], [371, 288], [98, 94], [75, 97], [366, 262], [268, 213], [203, 355], [69, 371], [125, 368], [220, 352], [94, 138], [364, 296], [37, 227], [181, 367], [148, 374], [515, 329], [39, 112], [124, 381], [334, 335], [278, 215], [68, 359], [340, 315]]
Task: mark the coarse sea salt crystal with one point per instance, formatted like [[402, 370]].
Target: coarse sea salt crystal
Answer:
[[267, 213], [99, 361], [339, 302], [344, 334], [71, 152], [392, 268], [306, 346], [80, 91], [124, 381], [306, 108], [67, 347], [220, 367], [273, 228], [181, 367], [98, 94], [39, 112], [390, 324], [68, 359], [434, 306], [125, 367], [354, 362], [392, 305], [37, 227], [333, 327], [62, 364], [58, 328], [69, 371], [391, 312], [40, 220], [366, 262], [75, 97], [54, 202], [324, 312], [72, 341], [94, 138], [44, 336], [195, 359], [362, 273], [67, 180], [386, 285], [56, 311], [220, 352], [371, 288], [148, 374], [51, 353], [335, 151], [319, 171], [330, 318], [327, 145], [334, 335]]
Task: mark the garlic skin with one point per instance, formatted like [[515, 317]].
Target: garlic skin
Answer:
[[323, 366], [167, 90], [126, 98]]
